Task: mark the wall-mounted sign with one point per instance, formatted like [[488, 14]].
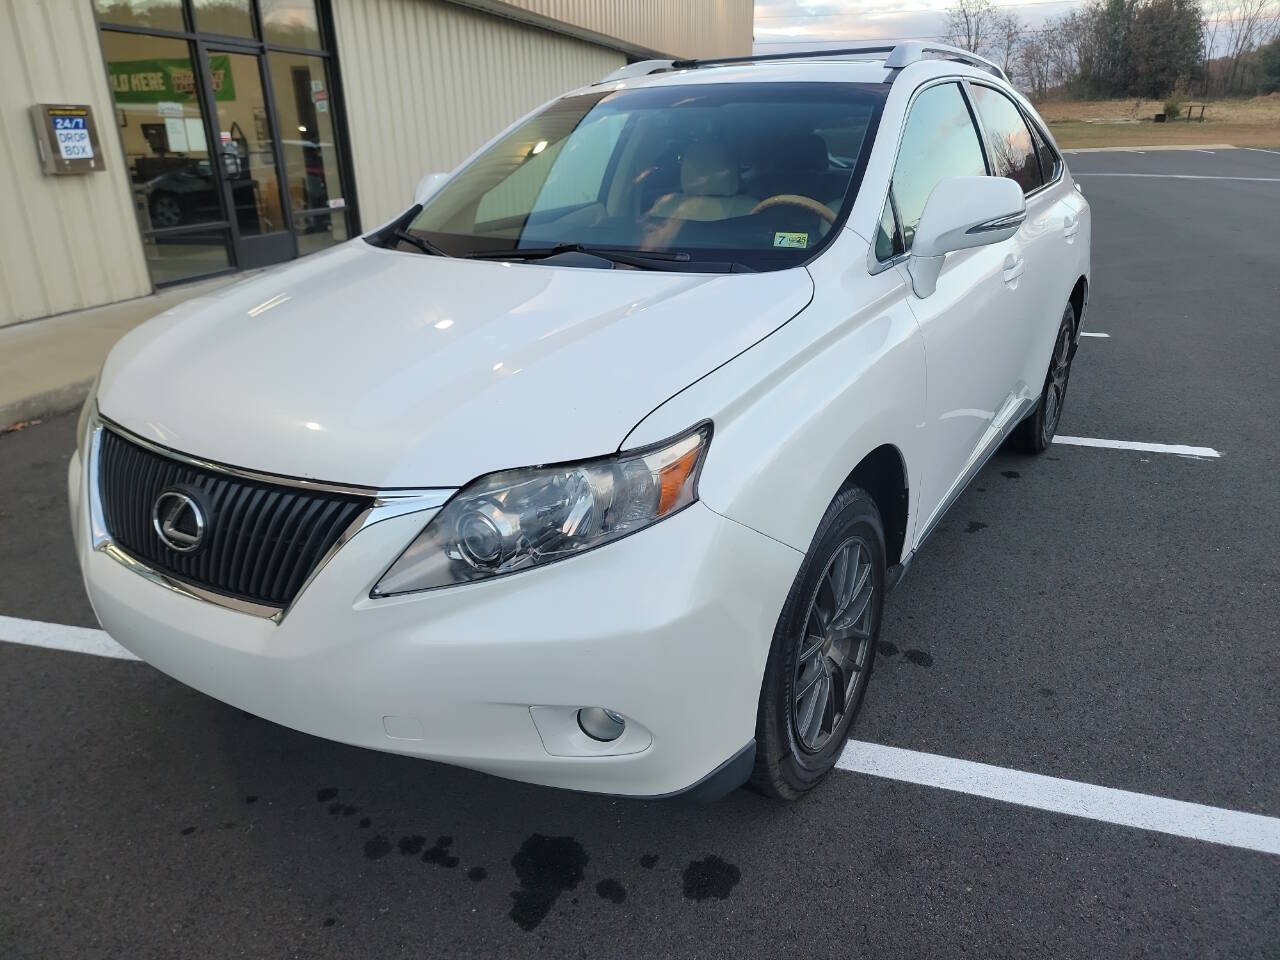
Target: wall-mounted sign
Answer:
[[167, 80], [67, 138]]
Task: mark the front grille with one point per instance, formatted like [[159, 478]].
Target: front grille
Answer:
[[260, 543]]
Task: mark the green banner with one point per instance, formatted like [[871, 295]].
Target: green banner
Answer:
[[154, 81]]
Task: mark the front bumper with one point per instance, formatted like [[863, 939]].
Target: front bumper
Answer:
[[669, 627]]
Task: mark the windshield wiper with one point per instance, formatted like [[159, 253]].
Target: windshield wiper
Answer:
[[631, 258], [422, 243]]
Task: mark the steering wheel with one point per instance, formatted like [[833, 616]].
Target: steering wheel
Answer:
[[795, 200]]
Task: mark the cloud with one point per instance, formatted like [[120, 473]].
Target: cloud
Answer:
[[782, 25]]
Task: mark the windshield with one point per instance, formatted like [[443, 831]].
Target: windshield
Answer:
[[739, 174]]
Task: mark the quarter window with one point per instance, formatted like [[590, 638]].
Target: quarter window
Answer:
[[1009, 143], [888, 240], [939, 141], [1049, 162]]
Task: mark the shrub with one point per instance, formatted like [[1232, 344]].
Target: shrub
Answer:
[[1172, 108]]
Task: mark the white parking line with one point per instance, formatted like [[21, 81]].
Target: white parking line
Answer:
[[1155, 148], [1193, 820], [1196, 821], [1178, 176], [1175, 448], [55, 636], [1090, 333]]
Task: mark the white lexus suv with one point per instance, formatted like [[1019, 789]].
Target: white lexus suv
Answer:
[[592, 469]]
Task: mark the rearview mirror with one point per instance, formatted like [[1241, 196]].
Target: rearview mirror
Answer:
[[962, 212], [428, 185]]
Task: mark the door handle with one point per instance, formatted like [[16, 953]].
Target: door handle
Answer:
[[1013, 267], [1070, 226]]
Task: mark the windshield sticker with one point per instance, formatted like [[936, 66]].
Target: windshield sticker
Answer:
[[785, 239]]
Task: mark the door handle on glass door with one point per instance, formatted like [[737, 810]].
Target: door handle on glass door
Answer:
[[1013, 267]]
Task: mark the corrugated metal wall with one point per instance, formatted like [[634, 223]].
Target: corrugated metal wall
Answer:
[[682, 28], [426, 82], [67, 242]]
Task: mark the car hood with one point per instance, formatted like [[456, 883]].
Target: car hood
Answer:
[[387, 369]]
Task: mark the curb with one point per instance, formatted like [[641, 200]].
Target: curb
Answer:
[[48, 403]]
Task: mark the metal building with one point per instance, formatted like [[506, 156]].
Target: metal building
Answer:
[[151, 142]]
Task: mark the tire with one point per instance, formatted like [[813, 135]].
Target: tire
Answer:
[[166, 210], [1034, 434], [799, 736]]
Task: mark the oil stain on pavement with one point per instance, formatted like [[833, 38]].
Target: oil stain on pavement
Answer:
[[545, 867], [710, 877]]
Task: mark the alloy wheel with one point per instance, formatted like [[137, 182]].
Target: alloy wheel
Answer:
[[1055, 389], [834, 650], [165, 212]]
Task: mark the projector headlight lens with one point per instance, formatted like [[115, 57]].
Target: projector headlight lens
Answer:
[[516, 519]]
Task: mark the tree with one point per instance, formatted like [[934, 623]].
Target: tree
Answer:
[[1114, 68], [1166, 39], [1006, 36], [1269, 59], [970, 24], [1245, 25], [1034, 62]]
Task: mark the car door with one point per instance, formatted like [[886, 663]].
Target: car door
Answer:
[[966, 323], [1016, 150]]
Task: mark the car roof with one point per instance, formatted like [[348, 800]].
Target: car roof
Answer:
[[809, 70]]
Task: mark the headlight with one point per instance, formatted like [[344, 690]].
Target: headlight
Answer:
[[518, 519]]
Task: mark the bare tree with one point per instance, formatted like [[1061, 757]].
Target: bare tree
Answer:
[[970, 24], [1244, 25], [1006, 36], [1034, 63]]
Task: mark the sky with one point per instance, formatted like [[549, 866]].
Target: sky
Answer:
[[782, 25]]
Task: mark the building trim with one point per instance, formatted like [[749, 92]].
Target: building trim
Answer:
[[540, 21]]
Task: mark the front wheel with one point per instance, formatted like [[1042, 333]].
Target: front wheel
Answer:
[[1035, 433], [823, 648]]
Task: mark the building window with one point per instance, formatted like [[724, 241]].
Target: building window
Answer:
[[232, 140]]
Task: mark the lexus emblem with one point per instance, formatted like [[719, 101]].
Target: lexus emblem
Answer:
[[178, 520]]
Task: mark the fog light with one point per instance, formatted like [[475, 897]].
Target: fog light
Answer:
[[601, 724]]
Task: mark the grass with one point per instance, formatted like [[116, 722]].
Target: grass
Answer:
[[1253, 122]]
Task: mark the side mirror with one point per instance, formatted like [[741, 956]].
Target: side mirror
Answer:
[[428, 185], [962, 212]]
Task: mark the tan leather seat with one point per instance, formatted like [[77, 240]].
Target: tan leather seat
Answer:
[[709, 181]]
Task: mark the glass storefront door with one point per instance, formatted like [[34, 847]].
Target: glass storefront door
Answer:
[[231, 143], [248, 163]]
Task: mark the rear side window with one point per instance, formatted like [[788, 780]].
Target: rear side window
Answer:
[[939, 141], [1013, 154]]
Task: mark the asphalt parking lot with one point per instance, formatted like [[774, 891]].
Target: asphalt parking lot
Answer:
[[1106, 616]]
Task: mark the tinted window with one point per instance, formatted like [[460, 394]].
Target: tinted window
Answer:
[[888, 240], [1008, 140], [939, 141], [1048, 158]]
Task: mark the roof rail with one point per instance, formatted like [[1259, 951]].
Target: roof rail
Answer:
[[913, 50], [895, 58], [641, 68], [793, 55]]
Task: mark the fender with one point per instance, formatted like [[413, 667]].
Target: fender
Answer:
[[795, 413]]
